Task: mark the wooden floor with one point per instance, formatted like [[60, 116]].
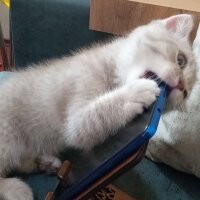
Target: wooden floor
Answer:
[[8, 51]]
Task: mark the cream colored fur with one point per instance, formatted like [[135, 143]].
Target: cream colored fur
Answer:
[[81, 100]]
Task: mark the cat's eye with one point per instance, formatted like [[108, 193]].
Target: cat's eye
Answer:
[[181, 60]]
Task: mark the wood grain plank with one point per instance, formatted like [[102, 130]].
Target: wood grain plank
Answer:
[[111, 192], [191, 5], [121, 16]]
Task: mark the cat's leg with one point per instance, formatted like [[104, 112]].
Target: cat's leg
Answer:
[[103, 116], [10, 156], [14, 189]]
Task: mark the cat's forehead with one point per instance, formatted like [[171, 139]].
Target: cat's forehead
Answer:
[[160, 38], [162, 46]]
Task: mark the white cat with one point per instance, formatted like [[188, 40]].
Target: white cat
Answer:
[[79, 101]]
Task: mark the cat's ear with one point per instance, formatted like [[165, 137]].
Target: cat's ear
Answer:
[[181, 25]]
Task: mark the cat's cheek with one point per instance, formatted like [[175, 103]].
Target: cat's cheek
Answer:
[[135, 75]]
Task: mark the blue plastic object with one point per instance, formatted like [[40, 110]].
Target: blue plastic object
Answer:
[[123, 153]]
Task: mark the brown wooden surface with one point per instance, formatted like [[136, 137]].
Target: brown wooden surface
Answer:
[[121, 16], [3, 52], [111, 192], [50, 196], [192, 5], [64, 170]]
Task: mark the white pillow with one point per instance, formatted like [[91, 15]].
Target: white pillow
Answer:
[[177, 141]]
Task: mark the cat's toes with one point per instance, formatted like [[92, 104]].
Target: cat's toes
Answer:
[[48, 164], [148, 92], [142, 93]]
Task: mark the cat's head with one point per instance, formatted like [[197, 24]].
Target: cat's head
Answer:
[[163, 47]]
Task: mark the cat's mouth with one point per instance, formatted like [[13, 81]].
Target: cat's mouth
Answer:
[[153, 76], [180, 86]]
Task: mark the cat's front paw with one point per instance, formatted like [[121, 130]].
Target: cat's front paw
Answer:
[[141, 94]]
